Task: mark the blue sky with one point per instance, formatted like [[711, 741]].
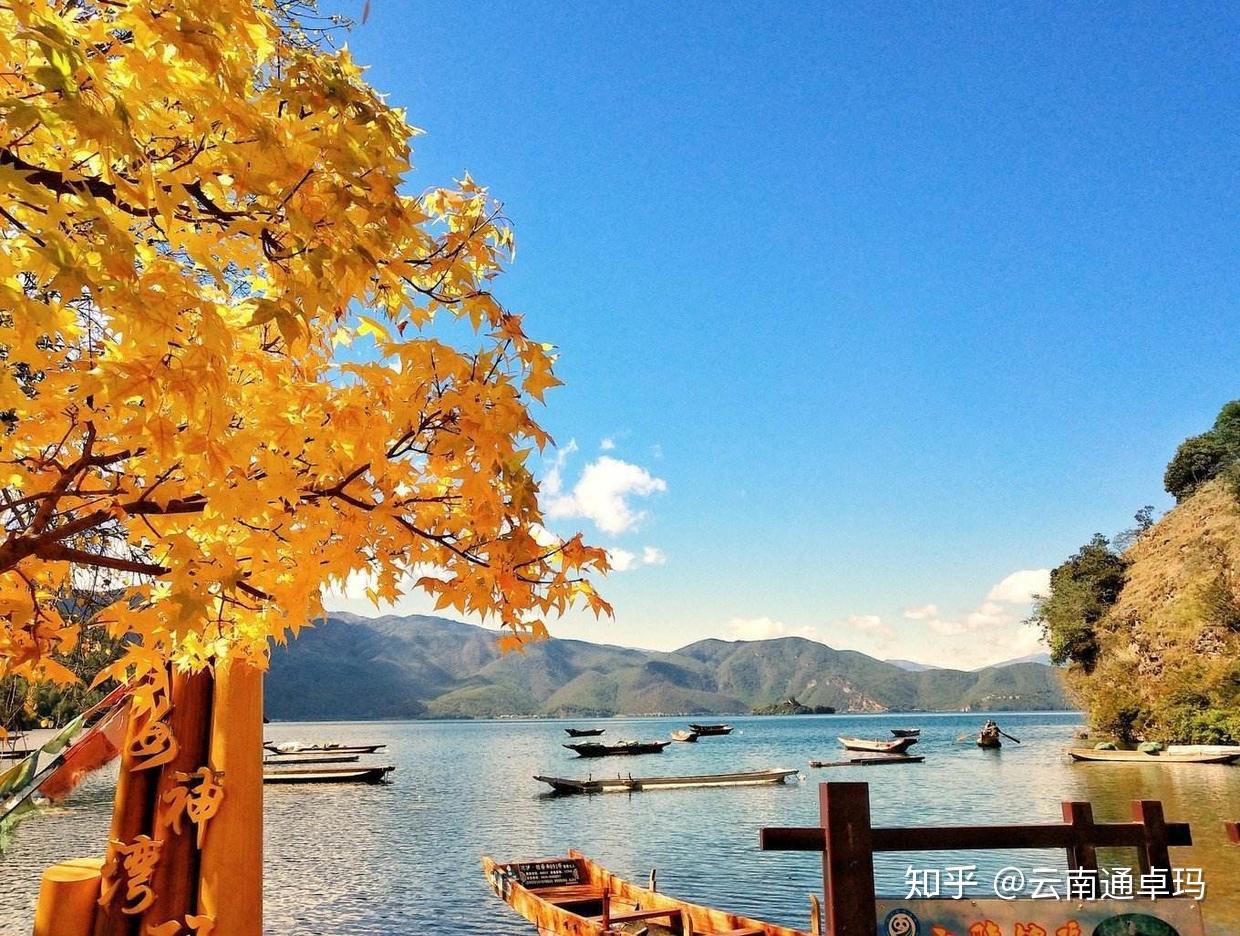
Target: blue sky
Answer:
[[876, 306]]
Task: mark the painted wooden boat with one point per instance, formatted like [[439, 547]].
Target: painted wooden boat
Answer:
[[573, 896], [989, 740], [895, 746], [906, 732], [289, 760], [1157, 757], [635, 784], [683, 735], [296, 747], [871, 760], [584, 732], [360, 774], [711, 729], [595, 749]]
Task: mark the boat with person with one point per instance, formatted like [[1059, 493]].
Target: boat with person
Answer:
[[682, 734], [711, 729], [584, 732], [990, 735], [297, 747], [1154, 757], [574, 896], [895, 746], [767, 777], [905, 732], [597, 749], [358, 774]]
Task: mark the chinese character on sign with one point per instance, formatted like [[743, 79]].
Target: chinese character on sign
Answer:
[[138, 860], [200, 925], [200, 802], [921, 882]]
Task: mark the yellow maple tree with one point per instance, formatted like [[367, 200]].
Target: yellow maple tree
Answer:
[[220, 381]]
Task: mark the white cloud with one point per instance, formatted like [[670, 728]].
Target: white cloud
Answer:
[[602, 494], [653, 555], [553, 480], [1021, 587], [622, 560], [869, 624], [992, 632], [607, 444], [765, 628]]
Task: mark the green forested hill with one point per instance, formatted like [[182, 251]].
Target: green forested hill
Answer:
[[1149, 623], [419, 666]]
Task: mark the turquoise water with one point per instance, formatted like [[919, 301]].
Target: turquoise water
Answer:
[[404, 858]]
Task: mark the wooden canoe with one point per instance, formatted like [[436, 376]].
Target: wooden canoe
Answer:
[[573, 896], [635, 784], [895, 746], [362, 774], [711, 729], [871, 760], [595, 749], [1159, 757], [682, 735], [296, 747], [289, 760], [584, 732]]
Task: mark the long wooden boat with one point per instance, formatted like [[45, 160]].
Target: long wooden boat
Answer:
[[905, 732], [584, 732], [895, 746], [296, 747], [1156, 757], [361, 774], [289, 760], [871, 760], [682, 734], [711, 729], [595, 749], [635, 784], [573, 896]]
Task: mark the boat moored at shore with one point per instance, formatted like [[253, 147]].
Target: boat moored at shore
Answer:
[[574, 896], [634, 784]]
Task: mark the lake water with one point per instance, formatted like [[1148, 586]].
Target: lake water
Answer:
[[404, 858]]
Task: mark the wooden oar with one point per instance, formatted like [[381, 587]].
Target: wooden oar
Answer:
[[1006, 735], [967, 734]]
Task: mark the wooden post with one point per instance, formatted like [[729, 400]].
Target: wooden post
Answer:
[[1081, 854], [1153, 855], [848, 862], [68, 898], [133, 808], [175, 881], [230, 887]]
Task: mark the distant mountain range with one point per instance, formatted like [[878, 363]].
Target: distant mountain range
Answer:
[[352, 667], [1044, 658]]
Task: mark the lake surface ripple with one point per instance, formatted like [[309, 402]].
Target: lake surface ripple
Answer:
[[404, 858]]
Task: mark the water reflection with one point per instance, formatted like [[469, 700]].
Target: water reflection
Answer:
[[404, 858]]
